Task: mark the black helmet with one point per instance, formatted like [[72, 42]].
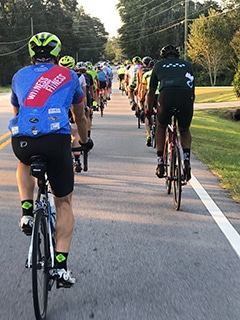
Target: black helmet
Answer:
[[146, 60], [151, 63], [170, 49]]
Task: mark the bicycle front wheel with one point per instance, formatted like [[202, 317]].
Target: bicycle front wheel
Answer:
[[40, 272], [177, 179]]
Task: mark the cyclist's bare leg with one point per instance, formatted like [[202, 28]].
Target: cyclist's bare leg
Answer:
[[25, 181], [64, 223]]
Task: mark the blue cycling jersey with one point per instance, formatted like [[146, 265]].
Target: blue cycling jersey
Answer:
[[101, 76], [43, 93]]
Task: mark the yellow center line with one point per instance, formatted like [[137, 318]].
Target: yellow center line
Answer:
[[5, 143], [5, 135]]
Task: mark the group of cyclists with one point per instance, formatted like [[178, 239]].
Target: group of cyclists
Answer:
[[92, 79], [53, 92], [154, 88]]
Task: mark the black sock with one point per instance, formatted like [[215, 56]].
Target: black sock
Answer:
[[77, 157], [61, 260], [27, 207]]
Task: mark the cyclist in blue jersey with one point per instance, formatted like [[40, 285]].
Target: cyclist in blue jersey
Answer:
[[108, 71], [41, 97], [102, 82]]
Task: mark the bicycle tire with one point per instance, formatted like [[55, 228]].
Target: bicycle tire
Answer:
[[101, 105], [177, 178], [40, 270], [153, 134], [168, 167], [138, 118]]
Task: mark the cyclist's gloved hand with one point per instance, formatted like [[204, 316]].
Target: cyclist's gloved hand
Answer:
[[88, 145]]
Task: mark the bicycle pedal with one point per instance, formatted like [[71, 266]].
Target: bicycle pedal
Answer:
[[53, 274]]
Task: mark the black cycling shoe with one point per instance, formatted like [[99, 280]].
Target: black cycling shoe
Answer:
[[160, 170], [187, 170], [133, 106]]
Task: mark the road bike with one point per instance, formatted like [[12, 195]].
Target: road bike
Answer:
[[42, 243], [102, 102], [139, 113], [123, 87], [172, 159], [152, 124], [41, 253]]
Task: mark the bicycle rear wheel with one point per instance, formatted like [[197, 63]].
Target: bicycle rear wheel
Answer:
[[177, 179], [153, 134], [40, 272], [167, 165]]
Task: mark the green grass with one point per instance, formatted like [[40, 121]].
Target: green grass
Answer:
[[216, 142], [5, 89], [215, 94]]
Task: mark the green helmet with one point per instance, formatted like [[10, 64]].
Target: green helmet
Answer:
[[44, 45], [136, 59], [67, 61], [89, 65]]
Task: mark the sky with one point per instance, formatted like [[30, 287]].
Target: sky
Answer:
[[104, 10]]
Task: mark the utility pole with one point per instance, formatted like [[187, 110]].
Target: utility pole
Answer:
[[31, 26], [186, 29]]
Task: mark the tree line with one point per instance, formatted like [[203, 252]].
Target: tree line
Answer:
[[82, 36], [207, 33]]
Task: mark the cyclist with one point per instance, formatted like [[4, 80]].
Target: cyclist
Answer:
[[140, 72], [81, 69], [121, 75], [107, 69], [176, 90], [94, 75], [41, 97], [102, 82], [69, 62], [132, 81], [142, 95]]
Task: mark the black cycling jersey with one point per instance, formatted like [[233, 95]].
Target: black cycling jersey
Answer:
[[171, 73]]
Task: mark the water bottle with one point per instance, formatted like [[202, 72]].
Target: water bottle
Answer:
[[53, 211]]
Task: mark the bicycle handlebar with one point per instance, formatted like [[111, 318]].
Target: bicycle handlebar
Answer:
[[85, 156]]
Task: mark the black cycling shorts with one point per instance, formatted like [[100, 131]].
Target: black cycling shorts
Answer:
[[102, 84], [56, 149], [175, 97]]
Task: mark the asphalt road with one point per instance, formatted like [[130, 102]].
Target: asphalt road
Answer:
[[134, 256]]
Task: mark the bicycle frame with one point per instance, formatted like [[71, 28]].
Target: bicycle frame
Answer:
[[42, 201]]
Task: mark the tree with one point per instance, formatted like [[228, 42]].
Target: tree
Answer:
[[208, 43]]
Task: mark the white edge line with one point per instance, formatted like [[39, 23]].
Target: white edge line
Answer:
[[228, 230]]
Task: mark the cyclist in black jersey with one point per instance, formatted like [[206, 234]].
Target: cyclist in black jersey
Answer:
[[176, 90]]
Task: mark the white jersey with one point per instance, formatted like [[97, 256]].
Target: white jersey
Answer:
[[82, 81]]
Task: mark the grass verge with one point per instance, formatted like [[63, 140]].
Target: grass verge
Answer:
[[216, 142]]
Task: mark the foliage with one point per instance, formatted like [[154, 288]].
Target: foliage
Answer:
[[148, 26], [236, 81], [82, 36], [208, 45]]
